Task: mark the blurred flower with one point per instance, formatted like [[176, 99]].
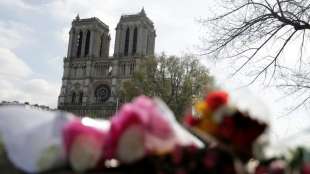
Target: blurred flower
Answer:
[[261, 169], [211, 159], [190, 120], [277, 167], [83, 145], [201, 107], [209, 126], [305, 169], [177, 155], [216, 99], [227, 128], [127, 117], [139, 128]]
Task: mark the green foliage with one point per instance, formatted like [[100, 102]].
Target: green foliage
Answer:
[[176, 80], [298, 157]]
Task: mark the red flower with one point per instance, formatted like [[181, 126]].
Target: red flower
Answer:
[[177, 155], [227, 128], [189, 120], [210, 160], [277, 167], [191, 149], [216, 99], [261, 169], [305, 169]]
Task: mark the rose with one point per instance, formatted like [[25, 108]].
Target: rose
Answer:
[[227, 128], [139, 128], [131, 120], [216, 99], [190, 120], [83, 145]]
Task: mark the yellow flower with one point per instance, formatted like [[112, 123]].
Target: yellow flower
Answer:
[[202, 110], [201, 107], [208, 125]]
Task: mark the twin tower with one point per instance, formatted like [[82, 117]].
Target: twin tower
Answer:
[[135, 37], [91, 78]]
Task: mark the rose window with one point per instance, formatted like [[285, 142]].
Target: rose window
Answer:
[[102, 93]]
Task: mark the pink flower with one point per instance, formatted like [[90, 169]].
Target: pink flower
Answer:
[[124, 119], [137, 129], [83, 145], [156, 124], [277, 167]]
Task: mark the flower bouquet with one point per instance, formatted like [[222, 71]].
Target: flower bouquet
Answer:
[[140, 133], [216, 121], [145, 127]]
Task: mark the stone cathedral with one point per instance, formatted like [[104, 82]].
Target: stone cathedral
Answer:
[[91, 77]]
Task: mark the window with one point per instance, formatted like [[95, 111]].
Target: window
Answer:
[[132, 68], [102, 93], [135, 39], [147, 43], [73, 97], [81, 98], [127, 42], [75, 71], [101, 45], [79, 44], [123, 69], [87, 43], [106, 69], [84, 70]]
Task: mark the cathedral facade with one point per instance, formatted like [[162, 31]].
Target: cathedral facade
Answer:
[[91, 78]]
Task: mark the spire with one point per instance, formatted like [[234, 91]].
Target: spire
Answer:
[[142, 12], [77, 17]]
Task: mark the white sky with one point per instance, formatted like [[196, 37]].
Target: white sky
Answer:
[[34, 36]]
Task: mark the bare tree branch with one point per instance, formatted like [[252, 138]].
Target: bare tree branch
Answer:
[[262, 32]]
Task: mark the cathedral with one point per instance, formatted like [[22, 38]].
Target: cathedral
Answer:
[[91, 78]]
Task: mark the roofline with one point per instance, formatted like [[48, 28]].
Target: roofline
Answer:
[[92, 18]]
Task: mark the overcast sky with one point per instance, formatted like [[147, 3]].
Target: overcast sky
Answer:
[[34, 38]]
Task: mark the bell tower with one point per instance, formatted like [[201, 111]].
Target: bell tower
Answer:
[[135, 36], [88, 38]]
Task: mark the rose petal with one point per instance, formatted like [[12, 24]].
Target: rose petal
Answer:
[[131, 145]]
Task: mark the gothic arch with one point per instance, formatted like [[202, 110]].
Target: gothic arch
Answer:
[[135, 40], [132, 68], [87, 43], [101, 45], [127, 41], [73, 97], [79, 44], [80, 97]]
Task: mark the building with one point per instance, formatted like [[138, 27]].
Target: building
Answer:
[[26, 105], [91, 78]]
